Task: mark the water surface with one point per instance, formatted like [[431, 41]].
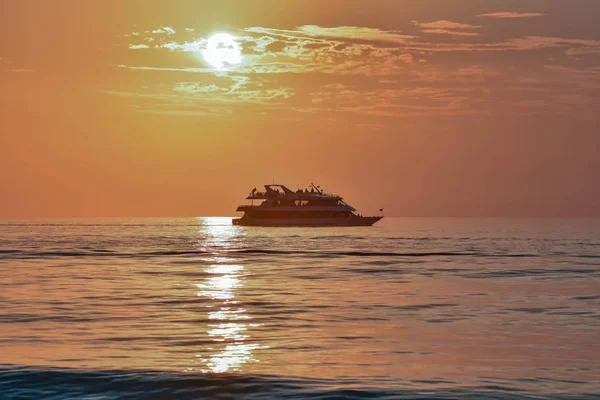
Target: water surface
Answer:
[[410, 308]]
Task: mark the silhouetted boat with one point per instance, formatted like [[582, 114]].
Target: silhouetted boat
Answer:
[[281, 206]]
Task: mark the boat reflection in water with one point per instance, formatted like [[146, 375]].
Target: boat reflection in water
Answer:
[[228, 321]]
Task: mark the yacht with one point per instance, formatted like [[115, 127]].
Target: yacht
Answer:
[[280, 206]]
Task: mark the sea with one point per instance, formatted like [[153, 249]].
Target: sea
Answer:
[[196, 308]]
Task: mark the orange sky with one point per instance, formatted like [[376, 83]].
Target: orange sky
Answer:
[[423, 107]]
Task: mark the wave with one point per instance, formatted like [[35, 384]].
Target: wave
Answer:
[[351, 253], [232, 252], [65, 384]]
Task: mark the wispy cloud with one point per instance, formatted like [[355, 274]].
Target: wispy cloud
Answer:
[[138, 46], [445, 24], [445, 27], [351, 71], [235, 88], [195, 88], [581, 51], [191, 47], [508, 14], [359, 50], [164, 29], [166, 69], [449, 32], [210, 95], [341, 32]]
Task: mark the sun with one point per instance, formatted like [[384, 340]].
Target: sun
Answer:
[[222, 51]]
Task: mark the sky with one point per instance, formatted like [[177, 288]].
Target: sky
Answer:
[[425, 108]]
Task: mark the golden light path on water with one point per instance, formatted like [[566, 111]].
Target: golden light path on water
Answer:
[[229, 321]]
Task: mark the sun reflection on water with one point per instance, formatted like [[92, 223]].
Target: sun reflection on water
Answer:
[[218, 233], [229, 321]]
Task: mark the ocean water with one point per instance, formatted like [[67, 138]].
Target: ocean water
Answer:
[[198, 308]]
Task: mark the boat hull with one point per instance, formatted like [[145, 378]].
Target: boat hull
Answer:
[[306, 222]]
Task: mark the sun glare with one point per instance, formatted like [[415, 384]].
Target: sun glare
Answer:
[[222, 51]]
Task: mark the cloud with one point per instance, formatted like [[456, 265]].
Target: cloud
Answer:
[[451, 33], [355, 32], [195, 88], [517, 44], [212, 95], [581, 51], [338, 50], [343, 50], [138, 46], [590, 72], [537, 42], [358, 33], [444, 24], [445, 27], [190, 47], [179, 112], [508, 14], [338, 86], [164, 29], [390, 102], [265, 95], [165, 69], [351, 72], [359, 50]]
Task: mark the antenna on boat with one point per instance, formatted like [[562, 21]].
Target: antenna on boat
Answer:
[[317, 188]]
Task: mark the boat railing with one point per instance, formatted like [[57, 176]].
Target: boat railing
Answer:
[[267, 195], [329, 194]]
